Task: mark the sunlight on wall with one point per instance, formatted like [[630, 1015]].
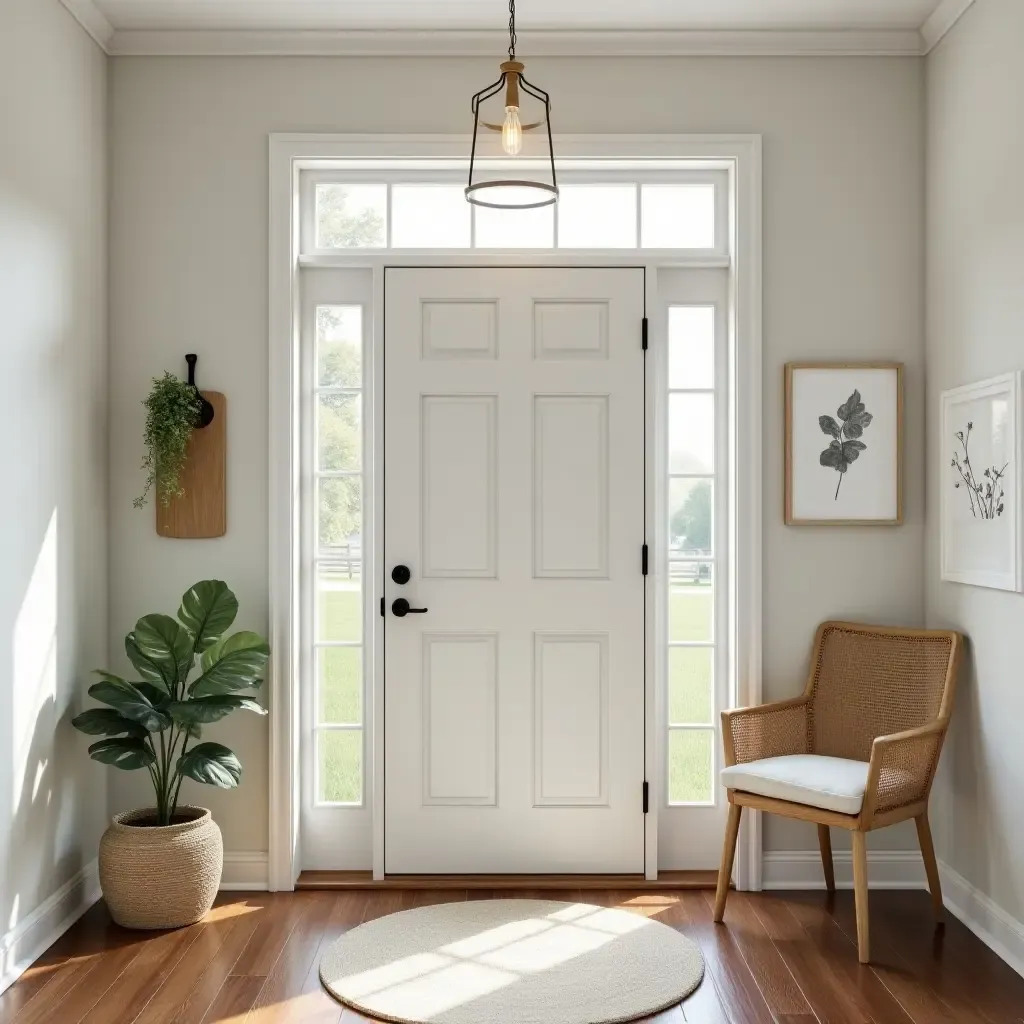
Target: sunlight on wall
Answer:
[[35, 657]]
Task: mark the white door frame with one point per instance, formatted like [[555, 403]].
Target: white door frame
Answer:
[[289, 155]]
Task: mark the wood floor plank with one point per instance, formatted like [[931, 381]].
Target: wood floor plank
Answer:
[[838, 989], [93, 985], [918, 999], [282, 913], [839, 950], [959, 968], [127, 997], [702, 1006], [285, 981], [234, 999], [192, 986], [314, 1005], [412, 899], [737, 991], [90, 934], [67, 976], [778, 959], [763, 960]]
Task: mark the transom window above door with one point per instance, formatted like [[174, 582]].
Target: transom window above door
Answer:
[[344, 214]]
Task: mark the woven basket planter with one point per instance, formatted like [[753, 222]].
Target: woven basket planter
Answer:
[[161, 876]]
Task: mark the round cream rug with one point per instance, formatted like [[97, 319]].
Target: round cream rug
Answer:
[[512, 962]]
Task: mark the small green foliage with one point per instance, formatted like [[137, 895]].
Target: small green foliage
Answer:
[[172, 411], [149, 723]]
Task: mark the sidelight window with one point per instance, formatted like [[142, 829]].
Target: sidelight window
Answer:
[[338, 570], [694, 575]]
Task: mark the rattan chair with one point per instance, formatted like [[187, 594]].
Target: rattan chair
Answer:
[[857, 751]]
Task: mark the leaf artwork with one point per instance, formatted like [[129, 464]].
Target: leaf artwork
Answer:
[[986, 496], [846, 445]]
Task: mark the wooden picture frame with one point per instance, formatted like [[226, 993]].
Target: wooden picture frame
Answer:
[[835, 414]]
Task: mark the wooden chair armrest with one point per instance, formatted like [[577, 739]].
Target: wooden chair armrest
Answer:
[[767, 730], [902, 767]]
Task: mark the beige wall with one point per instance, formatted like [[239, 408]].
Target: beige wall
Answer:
[[976, 330], [843, 271], [53, 559]]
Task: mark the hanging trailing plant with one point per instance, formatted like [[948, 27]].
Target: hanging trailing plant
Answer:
[[172, 413]]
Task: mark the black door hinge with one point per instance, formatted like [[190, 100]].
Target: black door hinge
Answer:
[[382, 607], [643, 559], [647, 798], [643, 334]]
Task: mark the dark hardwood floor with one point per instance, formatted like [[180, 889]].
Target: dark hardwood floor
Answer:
[[789, 958]]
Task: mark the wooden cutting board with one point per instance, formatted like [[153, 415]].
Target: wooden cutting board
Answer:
[[202, 512]]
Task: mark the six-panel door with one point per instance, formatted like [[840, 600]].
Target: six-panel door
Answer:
[[514, 492]]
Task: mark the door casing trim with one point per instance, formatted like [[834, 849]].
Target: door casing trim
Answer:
[[289, 155]]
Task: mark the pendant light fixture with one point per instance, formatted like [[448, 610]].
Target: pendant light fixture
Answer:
[[512, 193]]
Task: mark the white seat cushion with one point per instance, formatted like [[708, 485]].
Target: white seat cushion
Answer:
[[832, 783]]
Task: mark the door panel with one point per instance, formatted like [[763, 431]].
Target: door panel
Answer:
[[514, 483]]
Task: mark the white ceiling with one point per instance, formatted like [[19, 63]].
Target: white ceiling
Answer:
[[537, 14], [546, 27]]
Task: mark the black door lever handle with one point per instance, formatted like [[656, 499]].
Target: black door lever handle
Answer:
[[401, 608]]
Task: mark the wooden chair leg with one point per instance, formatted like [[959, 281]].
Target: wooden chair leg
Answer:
[[732, 830], [931, 867], [860, 892], [825, 845]]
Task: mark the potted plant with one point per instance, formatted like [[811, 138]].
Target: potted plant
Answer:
[[173, 410], [160, 866]]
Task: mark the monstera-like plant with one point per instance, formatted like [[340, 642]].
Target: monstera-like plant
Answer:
[[190, 674]]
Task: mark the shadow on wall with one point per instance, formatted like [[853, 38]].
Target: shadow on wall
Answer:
[[967, 787], [37, 744]]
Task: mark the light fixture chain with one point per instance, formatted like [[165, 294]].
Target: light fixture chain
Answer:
[[511, 29]]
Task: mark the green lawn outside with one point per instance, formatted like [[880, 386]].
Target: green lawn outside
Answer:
[[341, 694], [690, 694]]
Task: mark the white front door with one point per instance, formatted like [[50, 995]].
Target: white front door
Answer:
[[514, 494]]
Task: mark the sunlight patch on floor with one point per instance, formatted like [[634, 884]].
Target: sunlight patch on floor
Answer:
[[461, 971]]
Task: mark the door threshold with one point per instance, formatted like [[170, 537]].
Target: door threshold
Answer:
[[533, 883]]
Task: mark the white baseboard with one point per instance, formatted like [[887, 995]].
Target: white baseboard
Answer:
[[37, 931], [801, 869], [1000, 931], [244, 869]]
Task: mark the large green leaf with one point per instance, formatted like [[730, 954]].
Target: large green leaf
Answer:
[[212, 764], [208, 609], [156, 695], [129, 753], [146, 668], [167, 644], [211, 709], [107, 722], [234, 663], [131, 702]]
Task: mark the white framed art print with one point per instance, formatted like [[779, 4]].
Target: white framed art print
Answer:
[[981, 497], [844, 444]]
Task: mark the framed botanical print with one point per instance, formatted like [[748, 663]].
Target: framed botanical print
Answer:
[[844, 444], [981, 490]]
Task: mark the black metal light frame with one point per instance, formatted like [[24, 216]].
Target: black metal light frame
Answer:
[[511, 67]]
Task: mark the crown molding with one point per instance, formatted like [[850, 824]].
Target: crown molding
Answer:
[[92, 19], [309, 43], [944, 17]]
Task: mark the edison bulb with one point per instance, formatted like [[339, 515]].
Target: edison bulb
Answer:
[[512, 132]]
